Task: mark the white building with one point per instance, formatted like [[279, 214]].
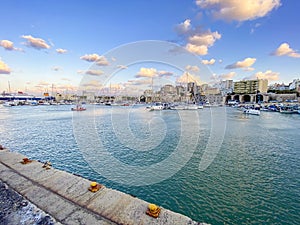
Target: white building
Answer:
[[295, 85]]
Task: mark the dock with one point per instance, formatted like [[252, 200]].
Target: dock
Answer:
[[66, 197]]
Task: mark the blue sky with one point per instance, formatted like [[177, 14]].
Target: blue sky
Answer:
[[58, 42]]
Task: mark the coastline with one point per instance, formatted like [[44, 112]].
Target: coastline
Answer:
[[65, 197]]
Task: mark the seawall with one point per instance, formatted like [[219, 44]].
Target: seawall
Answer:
[[67, 199]]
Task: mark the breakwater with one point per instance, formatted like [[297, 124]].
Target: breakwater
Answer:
[[67, 199]]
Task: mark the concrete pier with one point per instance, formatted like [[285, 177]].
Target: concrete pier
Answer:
[[67, 199]]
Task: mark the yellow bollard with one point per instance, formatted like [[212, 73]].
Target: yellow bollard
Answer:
[[153, 210], [94, 187]]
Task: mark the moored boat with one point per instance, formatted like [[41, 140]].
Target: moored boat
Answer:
[[288, 110], [252, 112], [78, 108]]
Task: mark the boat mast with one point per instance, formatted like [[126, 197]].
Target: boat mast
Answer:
[[8, 87]]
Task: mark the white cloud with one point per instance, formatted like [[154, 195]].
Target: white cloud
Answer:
[[199, 50], [208, 62], [228, 76], [152, 72], [207, 38], [94, 72], [238, 10], [63, 87], [147, 72], [90, 58], [116, 87], [269, 75], [36, 43], [187, 77], [192, 68], [4, 69], [196, 40], [8, 45], [100, 60], [61, 51], [145, 81], [80, 71], [285, 50], [92, 84], [122, 67], [163, 73], [200, 42], [183, 27], [246, 63]]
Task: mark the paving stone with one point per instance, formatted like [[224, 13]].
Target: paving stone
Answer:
[[66, 198]]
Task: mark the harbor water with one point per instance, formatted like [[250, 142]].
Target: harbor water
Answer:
[[254, 177]]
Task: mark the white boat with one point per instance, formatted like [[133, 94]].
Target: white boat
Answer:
[[157, 106], [32, 102], [187, 107], [8, 104], [252, 112], [78, 108], [288, 110]]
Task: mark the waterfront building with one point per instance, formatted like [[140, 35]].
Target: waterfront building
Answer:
[[204, 87], [251, 86], [212, 91], [148, 95], [215, 99], [226, 87], [88, 96], [295, 85], [168, 89], [168, 93], [279, 87]]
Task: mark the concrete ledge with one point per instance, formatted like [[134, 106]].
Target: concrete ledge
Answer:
[[66, 197]]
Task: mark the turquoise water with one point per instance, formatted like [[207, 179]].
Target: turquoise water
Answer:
[[254, 179]]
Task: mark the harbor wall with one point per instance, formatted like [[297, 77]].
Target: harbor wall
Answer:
[[67, 199]]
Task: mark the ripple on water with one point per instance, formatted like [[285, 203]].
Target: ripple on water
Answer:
[[255, 178]]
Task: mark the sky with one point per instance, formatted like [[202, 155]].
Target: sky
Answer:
[[62, 46]]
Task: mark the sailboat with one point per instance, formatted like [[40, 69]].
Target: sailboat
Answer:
[[188, 105]]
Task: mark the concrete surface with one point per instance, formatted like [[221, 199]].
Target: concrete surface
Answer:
[[66, 198]]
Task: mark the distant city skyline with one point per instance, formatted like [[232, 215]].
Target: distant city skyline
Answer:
[[45, 43]]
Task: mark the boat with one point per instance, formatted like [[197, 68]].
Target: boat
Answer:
[[19, 96], [186, 107], [157, 106], [78, 108], [287, 110], [8, 104], [252, 112]]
